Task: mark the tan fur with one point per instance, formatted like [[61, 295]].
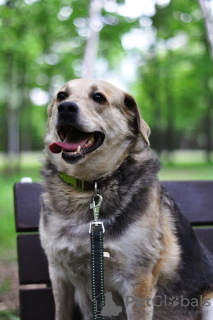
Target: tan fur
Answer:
[[144, 290], [170, 255]]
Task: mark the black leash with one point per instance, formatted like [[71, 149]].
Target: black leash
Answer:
[[97, 261], [98, 297]]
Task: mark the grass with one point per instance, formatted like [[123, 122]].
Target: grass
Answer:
[[8, 315], [5, 286], [185, 165], [186, 171], [7, 228]]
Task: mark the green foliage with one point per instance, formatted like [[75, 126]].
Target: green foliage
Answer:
[[174, 91], [42, 46]]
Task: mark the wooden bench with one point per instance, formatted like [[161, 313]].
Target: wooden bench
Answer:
[[194, 198]]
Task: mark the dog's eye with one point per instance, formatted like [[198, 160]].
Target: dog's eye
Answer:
[[98, 97], [62, 96]]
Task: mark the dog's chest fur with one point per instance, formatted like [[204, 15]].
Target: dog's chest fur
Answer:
[[132, 240], [69, 245]]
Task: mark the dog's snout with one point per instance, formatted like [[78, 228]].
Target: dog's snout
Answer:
[[67, 108]]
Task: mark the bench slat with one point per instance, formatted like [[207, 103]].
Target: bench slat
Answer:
[[32, 261], [206, 236], [38, 304], [194, 198], [27, 206], [33, 266]]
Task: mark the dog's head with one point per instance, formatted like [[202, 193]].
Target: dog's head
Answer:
[[91, 125]]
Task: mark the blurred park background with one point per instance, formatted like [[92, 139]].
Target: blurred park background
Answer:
[[161, 51]]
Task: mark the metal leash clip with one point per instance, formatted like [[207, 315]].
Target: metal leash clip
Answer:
[[96, 209]]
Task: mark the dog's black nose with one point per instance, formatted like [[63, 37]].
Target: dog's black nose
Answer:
[[66, 108]]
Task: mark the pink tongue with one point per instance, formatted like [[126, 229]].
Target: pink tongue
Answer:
[[56, 147]]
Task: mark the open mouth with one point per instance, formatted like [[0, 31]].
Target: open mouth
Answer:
[[75, 144]]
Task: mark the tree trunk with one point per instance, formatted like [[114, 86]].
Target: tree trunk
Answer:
[[208, 18], [25, 113], [170, 131], [208, 23], [13, 133], [91, 49], [208, 125], [13, 116]]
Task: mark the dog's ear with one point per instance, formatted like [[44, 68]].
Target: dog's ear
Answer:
[[135, 117]]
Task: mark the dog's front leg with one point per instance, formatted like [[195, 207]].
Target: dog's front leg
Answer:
[[63, 292], [139, 310], [139, 301]]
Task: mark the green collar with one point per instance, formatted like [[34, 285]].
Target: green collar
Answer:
[[82, 185], [78, 184]]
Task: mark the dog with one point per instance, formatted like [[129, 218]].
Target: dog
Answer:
[[95, 133]]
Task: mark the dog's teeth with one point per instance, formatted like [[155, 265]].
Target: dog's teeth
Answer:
[[90, 141], [79, 149], [70, 152]]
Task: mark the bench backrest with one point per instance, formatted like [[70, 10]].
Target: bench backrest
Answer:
[[194, 198]]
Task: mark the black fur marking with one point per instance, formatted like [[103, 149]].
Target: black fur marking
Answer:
[[129, 201]]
